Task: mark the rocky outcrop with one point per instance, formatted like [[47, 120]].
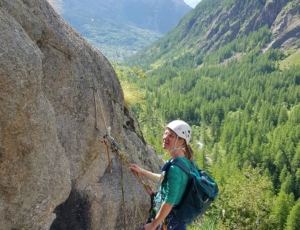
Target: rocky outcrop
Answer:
[[245, 17], [286, 27], [53, 168]]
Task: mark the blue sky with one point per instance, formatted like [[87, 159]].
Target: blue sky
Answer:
[[192, 3]]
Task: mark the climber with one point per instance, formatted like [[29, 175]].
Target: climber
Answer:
[[171, 188]]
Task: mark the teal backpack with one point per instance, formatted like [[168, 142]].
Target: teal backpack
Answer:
[[200, 192]]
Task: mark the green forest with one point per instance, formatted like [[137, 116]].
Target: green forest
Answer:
[[243, 103], [244, 107]]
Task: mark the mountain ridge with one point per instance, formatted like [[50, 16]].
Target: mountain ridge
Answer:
[[213, 24]]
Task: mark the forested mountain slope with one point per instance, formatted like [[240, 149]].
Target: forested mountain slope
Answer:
[[232, 70], [213, 24], [121, 28]]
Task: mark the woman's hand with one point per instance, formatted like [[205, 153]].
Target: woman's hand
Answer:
[[149, 227], [149, 175], [136, 169]]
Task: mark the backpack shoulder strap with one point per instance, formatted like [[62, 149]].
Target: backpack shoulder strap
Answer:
[[182, 165]]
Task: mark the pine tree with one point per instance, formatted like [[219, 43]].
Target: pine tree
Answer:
[[287, 186], [296, 160], [293, 220], [297, 183], [281, 210], [283, 115]]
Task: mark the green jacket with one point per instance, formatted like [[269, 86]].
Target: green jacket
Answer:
[[173, 186]]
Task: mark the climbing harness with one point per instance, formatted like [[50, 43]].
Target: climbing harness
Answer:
[[110, 144]]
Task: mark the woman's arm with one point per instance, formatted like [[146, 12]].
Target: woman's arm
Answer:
[[164, 210], [150, 175]]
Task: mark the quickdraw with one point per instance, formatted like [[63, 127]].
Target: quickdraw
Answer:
[[116, 149], [110, 143]]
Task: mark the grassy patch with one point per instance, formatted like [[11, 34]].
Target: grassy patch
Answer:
[[293, 59]]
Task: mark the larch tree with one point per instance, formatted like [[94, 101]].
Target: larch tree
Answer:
[[293, 220]]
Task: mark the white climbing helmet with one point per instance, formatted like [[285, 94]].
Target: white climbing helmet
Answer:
[[182, 129]]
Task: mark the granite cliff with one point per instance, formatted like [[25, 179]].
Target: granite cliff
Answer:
[[53, 168]]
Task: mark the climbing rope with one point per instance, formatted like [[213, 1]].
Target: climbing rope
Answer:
[[108, 155], [110, 144], [123, 196], [133, 197]]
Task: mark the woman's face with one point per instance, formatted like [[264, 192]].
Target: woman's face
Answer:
[[169, 139]]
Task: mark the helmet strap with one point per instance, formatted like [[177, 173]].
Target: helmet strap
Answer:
[[174, 148]]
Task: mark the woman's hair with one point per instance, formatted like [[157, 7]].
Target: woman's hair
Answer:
[[188, 151]]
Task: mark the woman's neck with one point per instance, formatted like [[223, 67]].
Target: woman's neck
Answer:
[[176, 153]]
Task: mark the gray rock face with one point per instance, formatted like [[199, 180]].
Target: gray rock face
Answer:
[[244, 17], [53, 166], [286, 27]]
